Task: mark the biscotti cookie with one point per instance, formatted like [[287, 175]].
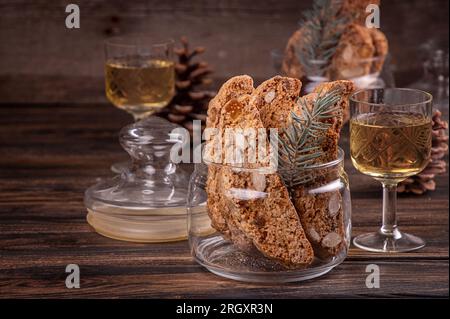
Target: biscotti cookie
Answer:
[[330, 136], [322, 218], [258, 202], [353, 54], [236, 87], [345, 88], [291, 64], [275, 99], [231, 89], [320, 213], [380, 43]]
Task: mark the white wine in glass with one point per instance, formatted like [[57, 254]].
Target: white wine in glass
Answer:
[[139, 74], [139, 77], [390, 140], [390, 145], [139, 85]]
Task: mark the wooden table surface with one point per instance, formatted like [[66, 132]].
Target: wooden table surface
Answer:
[[51, 153]]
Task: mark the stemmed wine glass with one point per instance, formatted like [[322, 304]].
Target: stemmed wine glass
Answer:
[[390, 140], [139, 76]]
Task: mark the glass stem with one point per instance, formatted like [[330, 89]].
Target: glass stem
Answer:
[[140, 116], [389, 227], [136, 117]]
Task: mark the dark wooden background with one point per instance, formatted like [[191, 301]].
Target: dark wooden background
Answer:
[[37, 52], [58, 134]]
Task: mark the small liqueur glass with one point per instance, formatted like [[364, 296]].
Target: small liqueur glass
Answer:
[[139, 76], [390, 140]]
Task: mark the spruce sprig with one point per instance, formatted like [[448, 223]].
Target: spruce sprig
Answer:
[[299, 145], [322, 30]]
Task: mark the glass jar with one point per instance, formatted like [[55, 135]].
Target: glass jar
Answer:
[[244, 213], [365, 73]]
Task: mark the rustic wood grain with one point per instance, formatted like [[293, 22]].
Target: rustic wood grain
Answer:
[[50, 153], [183, 279]]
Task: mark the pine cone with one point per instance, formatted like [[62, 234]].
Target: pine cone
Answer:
[[191, 99], [424, 181]]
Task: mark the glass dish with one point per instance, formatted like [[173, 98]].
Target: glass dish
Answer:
[[146, 202], [328, 191]]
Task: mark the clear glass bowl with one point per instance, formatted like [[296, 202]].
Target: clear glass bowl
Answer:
[[323, 206]]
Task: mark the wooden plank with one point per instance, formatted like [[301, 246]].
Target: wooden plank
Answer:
[[56, 236], [58, 151], [178, 279]]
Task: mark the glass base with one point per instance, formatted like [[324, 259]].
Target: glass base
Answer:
[[146, 230], [222, 258], [397, 242], [146, 225], [119, 167]]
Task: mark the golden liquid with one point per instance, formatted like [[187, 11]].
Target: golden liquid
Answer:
[[138, 85], [391, 145]]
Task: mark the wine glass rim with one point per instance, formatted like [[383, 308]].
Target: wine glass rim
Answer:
[[429, 97], [126, 40]]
